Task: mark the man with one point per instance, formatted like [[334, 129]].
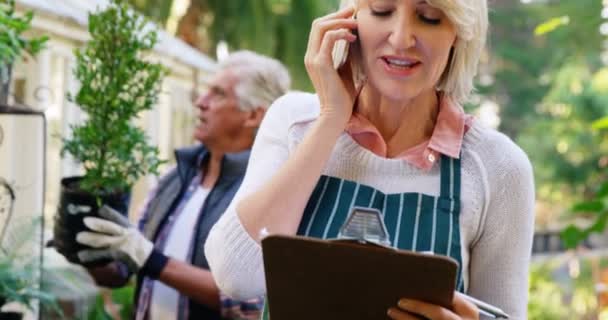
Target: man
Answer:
[[166, 251]]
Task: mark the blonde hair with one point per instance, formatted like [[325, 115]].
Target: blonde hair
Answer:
[[470, 17]]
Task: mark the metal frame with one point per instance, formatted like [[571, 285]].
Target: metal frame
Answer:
[[11, 193], [384, 238], [7, 110]]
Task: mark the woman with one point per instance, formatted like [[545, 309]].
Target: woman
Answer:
[[387, 131]]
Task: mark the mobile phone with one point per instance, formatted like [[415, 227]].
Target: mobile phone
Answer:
[[341, 49]]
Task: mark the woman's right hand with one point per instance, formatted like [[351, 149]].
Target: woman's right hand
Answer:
[[335, 88]]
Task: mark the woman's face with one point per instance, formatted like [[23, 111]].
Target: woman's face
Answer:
[[405, 46]]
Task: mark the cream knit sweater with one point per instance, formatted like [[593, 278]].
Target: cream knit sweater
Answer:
[[497, 215]]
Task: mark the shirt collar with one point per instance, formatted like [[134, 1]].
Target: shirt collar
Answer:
[[446, 138]]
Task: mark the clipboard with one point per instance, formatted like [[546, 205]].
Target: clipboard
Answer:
[[308, 278]]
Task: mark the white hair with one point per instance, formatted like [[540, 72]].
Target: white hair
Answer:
[[261, 79], [470, 17]]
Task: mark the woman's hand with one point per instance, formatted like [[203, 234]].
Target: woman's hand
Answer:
[[335, 88], [412, 310]]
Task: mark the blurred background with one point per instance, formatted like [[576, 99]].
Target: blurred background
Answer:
[[543, 81]]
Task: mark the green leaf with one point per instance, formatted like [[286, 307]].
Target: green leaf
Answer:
[[11, 28], [588, 206], [603, 191], [551, 25], [600, 124], [599, 225], [572, 236]]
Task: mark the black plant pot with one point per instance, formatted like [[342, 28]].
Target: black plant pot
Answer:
[[5, 85], [11, 315], [74, 205]]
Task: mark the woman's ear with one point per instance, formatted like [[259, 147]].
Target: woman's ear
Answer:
[[255, 117]]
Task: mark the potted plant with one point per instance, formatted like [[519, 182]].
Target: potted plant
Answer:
[[19, 274], [117, 84], [13, 44]]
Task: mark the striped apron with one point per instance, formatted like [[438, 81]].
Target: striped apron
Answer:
[[414, 221]]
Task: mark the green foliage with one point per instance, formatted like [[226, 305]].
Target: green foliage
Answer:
[[596, 209], [122, 297], [550, 84], [527, 67], [98, 312], [117, 84], [19, 273], [156, 10], [546, 298], [12, 42], [564, 134], [555, 295], [278, 28]]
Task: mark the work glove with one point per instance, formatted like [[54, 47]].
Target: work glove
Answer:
[[113, 237]]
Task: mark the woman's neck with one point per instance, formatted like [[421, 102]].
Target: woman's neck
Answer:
[[402, 124]]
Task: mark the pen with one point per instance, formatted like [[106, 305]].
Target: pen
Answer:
[[487, 314], [486, 308]]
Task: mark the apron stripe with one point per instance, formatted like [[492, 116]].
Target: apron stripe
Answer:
[[434, 229], [446, 177], [349, 194], [355, 195], [265, 311], [425, 224], [333, 211], [415, 236], [451, 207], [396, 241], [319, 201], [391, 214], [452, 179], [371, 201], [382, 212], [364, 196], [450, 231], [408, 219]]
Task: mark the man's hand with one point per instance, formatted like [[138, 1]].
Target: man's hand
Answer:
[[114, 238]]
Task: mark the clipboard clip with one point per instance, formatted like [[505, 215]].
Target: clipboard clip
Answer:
[[365, 225]]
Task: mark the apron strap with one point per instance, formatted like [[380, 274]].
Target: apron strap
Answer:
[[450, 182], [449, 201]]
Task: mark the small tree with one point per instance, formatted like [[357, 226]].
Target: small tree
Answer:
[[116, 85], [12, 42]]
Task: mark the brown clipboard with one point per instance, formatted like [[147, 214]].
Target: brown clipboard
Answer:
[[309, 278]]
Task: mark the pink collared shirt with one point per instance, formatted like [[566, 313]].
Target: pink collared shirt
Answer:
[[452, 123]]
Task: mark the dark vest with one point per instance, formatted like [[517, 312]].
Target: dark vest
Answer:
[[172, 187]]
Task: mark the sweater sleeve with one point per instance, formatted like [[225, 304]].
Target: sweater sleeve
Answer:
[[501, 255], [235, 258]]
